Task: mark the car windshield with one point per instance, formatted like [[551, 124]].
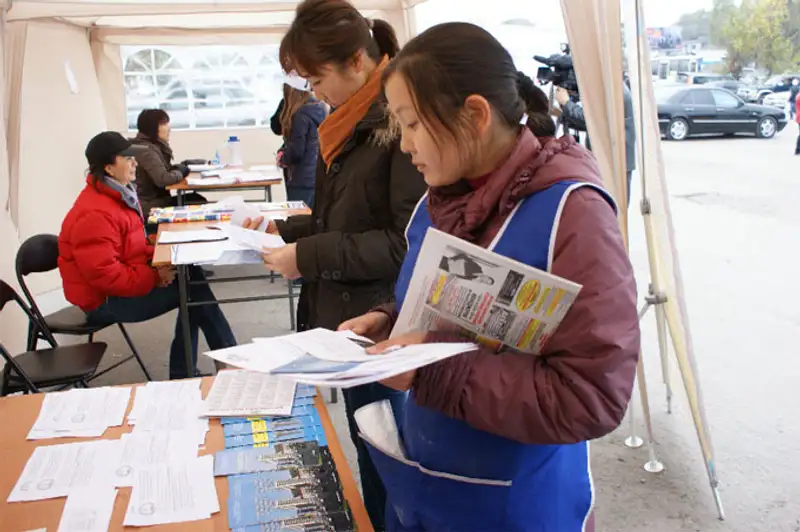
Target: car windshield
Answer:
[[774, 80], [665, 94]]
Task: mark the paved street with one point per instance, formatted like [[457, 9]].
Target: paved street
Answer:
[[736, 206]]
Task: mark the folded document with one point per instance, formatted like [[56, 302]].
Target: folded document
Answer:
[[336, 359]]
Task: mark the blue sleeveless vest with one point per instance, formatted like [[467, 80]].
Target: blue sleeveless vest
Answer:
[[461, 479]]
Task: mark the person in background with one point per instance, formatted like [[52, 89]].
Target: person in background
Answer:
[[572, 116], [797, 118], [301, 116], [502, 437], [349, 250], [794, 91], [155, 170], [105, 258]]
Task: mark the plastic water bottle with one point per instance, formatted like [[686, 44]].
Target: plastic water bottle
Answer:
[[234, 152], [217, 160]]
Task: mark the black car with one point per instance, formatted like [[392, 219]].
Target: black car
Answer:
[[687, 111]]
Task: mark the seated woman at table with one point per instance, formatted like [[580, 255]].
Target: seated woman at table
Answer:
[[300, 117], [105, 257], [156, 171]]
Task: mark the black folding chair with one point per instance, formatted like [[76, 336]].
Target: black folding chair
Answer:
[[59, 367], [39, 254]]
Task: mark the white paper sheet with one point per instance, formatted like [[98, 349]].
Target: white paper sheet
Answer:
[[142, 449], [80, 413], [328, 345], [172, 494], [162, 392], [257, 356], [203, 253], [249, 393], [199, 235], [53, 471], [88, 510], [209, 181], [252, 240], [205, 167]]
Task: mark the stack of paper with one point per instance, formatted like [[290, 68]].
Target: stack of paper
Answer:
[[80, 413], [200, 235], [249, 393], [55, 470], [205, 167], [335, 359], [174, 493]]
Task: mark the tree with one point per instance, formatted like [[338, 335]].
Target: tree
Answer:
[[696, 26], [730, 29], [773, 50], [754, 31], [792, 26]]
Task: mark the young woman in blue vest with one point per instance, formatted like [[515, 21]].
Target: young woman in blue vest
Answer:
[[499, 441]]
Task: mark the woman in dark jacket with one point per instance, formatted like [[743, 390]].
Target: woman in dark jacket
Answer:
[[349, 250], [300, 117], [156, 171]]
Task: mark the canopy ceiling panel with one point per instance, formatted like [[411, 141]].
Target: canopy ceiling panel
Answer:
[[88, 11]]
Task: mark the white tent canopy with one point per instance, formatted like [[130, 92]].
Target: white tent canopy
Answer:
[[63, 76]]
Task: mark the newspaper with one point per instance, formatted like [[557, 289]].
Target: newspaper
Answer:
[[489, 298]]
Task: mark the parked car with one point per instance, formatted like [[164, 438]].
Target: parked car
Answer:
[[687, 111], [778, 100], [700, 78], [737, 87], [774, 84]]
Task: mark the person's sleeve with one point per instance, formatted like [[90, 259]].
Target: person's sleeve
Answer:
[[295, 147], [572, 115], [389, 309], [96, 247], [579, 389], [275, 120], [370, 255], [294, 228], [162, 176]]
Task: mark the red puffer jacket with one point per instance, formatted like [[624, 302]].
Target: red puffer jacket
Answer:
[[103, 250]]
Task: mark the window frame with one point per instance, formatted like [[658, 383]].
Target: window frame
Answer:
[[242, 82]]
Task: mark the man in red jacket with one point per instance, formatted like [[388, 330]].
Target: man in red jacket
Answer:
[[105, 257]]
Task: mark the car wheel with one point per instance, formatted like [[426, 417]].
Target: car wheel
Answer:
[[767, 127], [678, 129]]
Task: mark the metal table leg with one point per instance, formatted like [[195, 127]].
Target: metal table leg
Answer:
[[180, 198], [268, 192], [292, 316], [183, 289]]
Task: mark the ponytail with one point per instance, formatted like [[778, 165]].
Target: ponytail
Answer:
[[333, 31], [385, 37], [537, 107]]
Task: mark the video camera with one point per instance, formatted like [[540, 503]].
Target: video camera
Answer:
[[559, 70]]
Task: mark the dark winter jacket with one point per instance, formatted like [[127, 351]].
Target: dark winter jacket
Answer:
[[301, 148], [156, 172], [350, 248], [573, 117]]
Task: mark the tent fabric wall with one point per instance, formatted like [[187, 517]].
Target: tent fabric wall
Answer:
[[12, 320], [597, 55], [664, 264], [57, 122], [15, 37], [108, 67]]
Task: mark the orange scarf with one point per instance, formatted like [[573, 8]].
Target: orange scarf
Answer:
[[338, 127]]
